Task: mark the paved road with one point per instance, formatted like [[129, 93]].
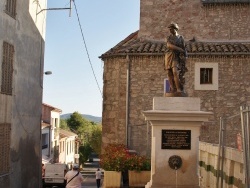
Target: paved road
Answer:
[[89, 182], [88, 173]]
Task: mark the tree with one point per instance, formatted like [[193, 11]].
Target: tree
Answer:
[[64, 125], [95, 140], [90, 134], [84, 152], [79, 125], [76, 120]]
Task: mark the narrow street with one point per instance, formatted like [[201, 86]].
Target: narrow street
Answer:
[[88, 173]]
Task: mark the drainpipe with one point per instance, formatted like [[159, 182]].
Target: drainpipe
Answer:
[[245, 137], [127, 102], [49, 143]]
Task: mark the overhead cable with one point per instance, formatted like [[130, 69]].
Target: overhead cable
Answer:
[[86, 47]]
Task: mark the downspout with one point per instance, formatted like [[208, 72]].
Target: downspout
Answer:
[[127, 102], [49, 141]]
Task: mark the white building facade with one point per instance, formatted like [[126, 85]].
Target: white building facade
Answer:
[[58, 145], [50, 133], [68, 147]]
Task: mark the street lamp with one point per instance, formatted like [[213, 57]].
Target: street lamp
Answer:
[[48, 73]]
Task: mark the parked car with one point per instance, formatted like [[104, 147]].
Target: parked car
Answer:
[[54, 175]]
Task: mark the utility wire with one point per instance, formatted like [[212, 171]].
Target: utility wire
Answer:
[[86, 47]]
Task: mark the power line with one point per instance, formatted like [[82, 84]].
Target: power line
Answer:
[[86, 47]]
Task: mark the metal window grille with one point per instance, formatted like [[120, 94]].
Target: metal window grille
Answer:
[[11, 7], [4, 148], [7, 68], [206, 76]]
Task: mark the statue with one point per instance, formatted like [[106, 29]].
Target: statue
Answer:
[[175, 59]]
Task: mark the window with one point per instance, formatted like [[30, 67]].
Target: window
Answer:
[[70, 144], [7, 68], [67, 148], [4, 148], [10, 7], [52, 122], [63, 146], [56, 122], [206, 76], [44, 141], [60, 147]]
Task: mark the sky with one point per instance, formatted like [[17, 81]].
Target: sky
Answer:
[[72, 86]]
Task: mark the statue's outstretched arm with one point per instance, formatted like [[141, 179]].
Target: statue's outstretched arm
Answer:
[[173, 47]]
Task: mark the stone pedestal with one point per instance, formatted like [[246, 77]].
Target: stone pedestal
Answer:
[[176, 125]]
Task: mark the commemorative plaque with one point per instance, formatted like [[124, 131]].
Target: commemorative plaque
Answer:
[[176, 139]]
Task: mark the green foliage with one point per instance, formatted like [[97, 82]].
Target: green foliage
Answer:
[[89, 132], [64, 125], [116, 157], [76, 121], [80, 126], [84, 152], [138, 163], [96, 139]]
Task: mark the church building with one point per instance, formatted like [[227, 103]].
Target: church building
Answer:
[[217, 38]]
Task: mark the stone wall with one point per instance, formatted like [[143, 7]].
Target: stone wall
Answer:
[[212, 22], [114, 101], [233, 91], [217, 22], [146, 81]]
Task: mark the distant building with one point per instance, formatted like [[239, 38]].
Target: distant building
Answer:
[[58, 145], [68, 147], [50, 133], [217, 38], [22, 38], [47, 156]]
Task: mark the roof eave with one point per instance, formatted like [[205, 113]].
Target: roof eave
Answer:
[[189, 54]]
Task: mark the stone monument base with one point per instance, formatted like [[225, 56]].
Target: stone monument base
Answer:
[[176, 125], [175, 94], [170, 186]]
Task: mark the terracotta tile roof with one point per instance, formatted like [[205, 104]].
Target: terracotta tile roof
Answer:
[[52, 107], [44, 124], [65, 133], [132, 45]]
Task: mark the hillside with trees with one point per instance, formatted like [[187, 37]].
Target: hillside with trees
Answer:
[[95, 119], [89, 133]]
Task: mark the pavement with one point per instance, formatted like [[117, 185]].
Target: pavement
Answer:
[[88, 173]]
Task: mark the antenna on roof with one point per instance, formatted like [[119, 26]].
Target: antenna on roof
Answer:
[[69, 8]]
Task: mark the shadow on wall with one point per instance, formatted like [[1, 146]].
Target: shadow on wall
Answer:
[[25, 162]]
